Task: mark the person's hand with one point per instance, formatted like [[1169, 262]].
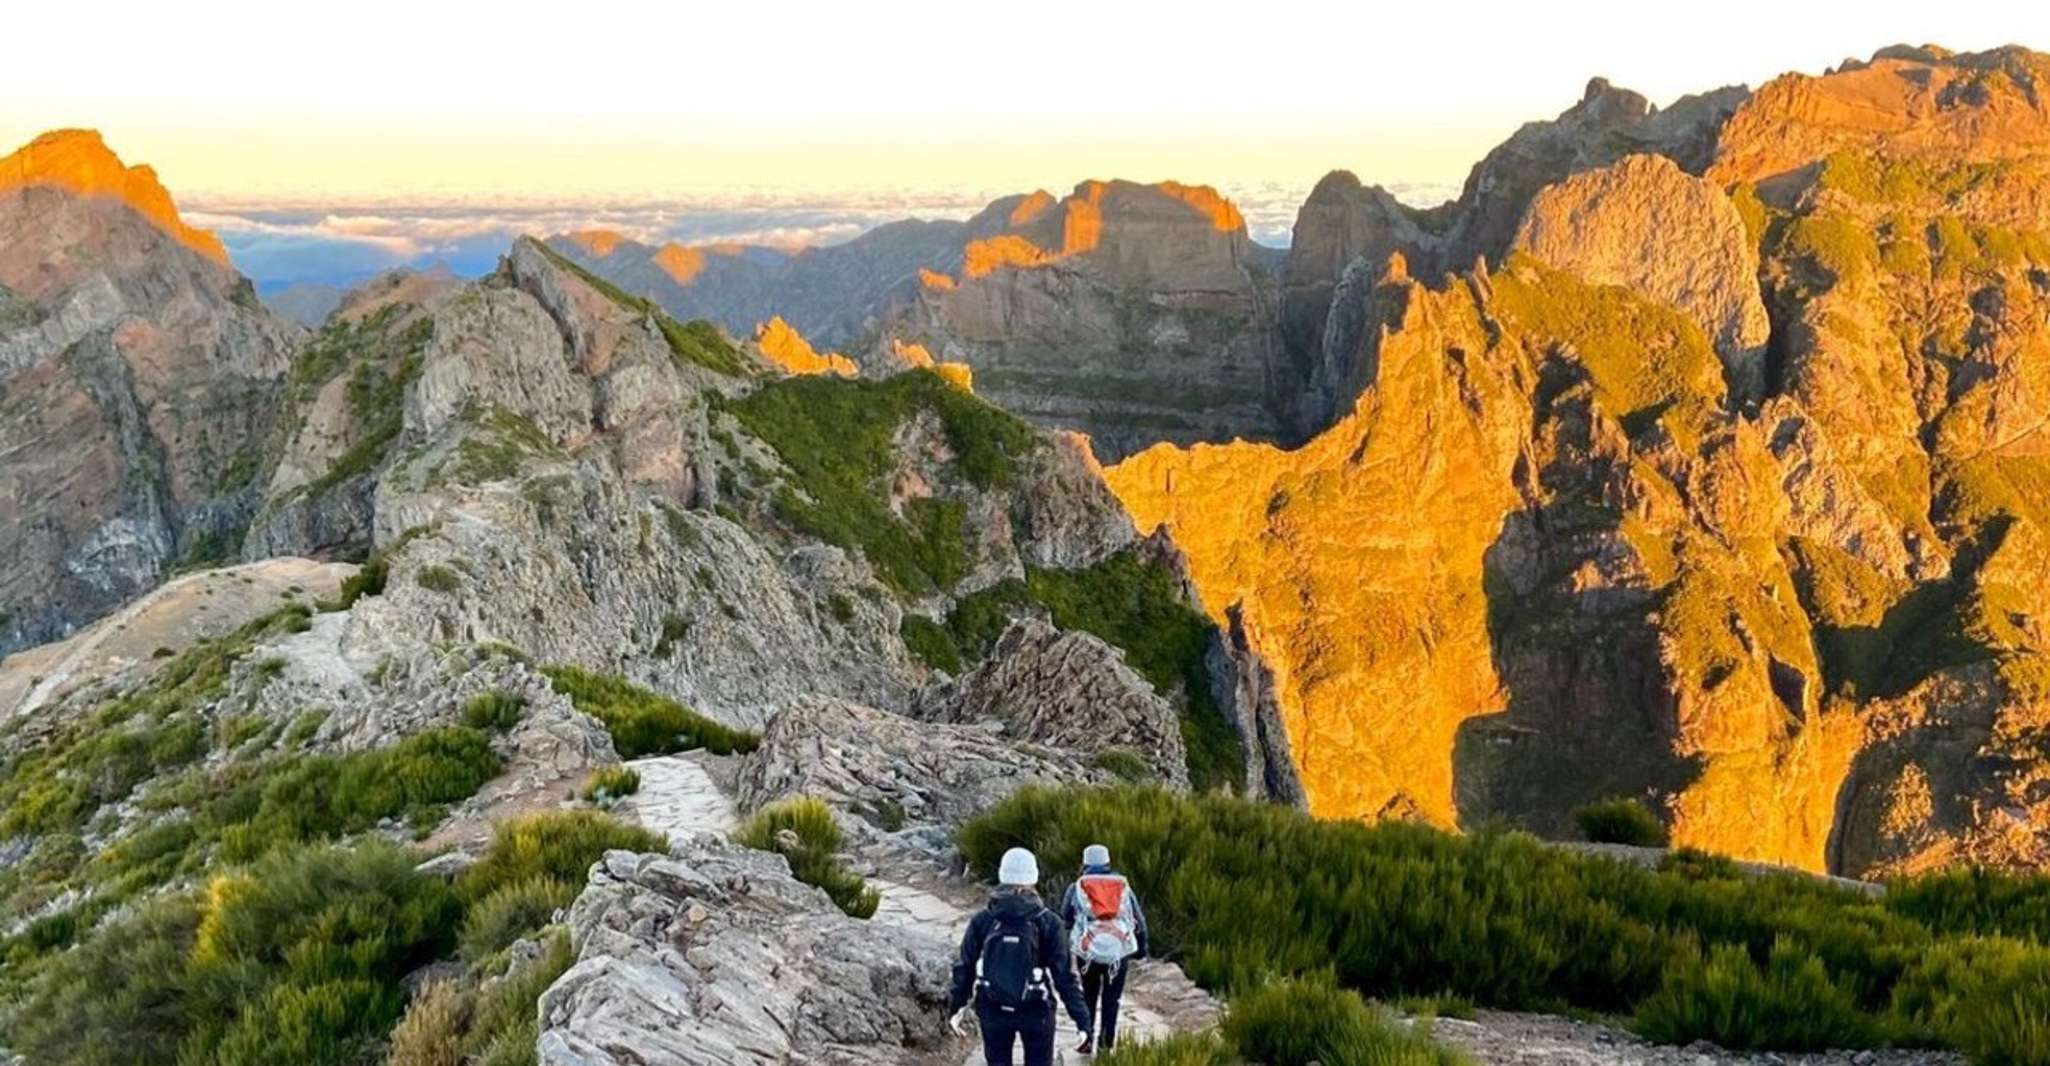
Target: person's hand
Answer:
[[958, 1022]]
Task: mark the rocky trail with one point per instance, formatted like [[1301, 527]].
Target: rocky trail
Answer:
[[682, 795]]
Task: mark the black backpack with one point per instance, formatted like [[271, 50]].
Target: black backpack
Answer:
[[1010, 975]]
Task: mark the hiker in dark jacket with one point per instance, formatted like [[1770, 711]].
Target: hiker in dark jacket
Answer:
[[1107, 931], [1013, 960]]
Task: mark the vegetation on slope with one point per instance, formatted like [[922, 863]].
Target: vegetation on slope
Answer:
[[838, 436], [1295, 1022], [1694, 950], [696, 342], [643, 722], [301, 957], [802, 830]]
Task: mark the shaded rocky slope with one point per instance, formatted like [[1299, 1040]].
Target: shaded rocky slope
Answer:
[[1586, 529], [138, 380]]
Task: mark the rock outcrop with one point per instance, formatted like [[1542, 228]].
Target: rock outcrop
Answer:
[[714, 955], [1065, 690], [1645, 224], [834, 294], [1580, 535], [138, 387], [1133, 313], [866, 761]]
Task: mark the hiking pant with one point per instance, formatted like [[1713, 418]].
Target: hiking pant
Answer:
[[1102, 986], [1000, 1028]]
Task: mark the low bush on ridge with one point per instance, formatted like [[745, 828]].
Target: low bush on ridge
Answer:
[[1241, 892], [1620, 821], [1296, 1022], [802, 830], [643, 722]]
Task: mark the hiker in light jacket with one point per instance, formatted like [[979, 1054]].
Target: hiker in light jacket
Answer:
[[1013, 961], [1107, 930]]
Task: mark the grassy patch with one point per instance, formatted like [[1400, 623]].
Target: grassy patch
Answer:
[[837, 437], [498, 445], [1306, 1021], [1695, 949], [436, 578], [496, 711], [642, 722], [612, 784], [534, 867], [930, 642], [1620, 821], [1644, 358], [802, 830]]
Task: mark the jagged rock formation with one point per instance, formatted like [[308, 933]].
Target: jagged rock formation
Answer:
[[138, 379], [867, 761], [835, 294], [715, 955], [784, 346], [1065, 690], [1133, 313], [1558, 550]]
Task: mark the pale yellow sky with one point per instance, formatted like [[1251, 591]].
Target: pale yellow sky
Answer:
[[425, 100]]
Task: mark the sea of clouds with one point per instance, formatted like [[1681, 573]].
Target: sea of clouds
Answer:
[[281, 244]]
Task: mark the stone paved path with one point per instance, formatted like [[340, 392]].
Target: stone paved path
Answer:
[[679, 796]]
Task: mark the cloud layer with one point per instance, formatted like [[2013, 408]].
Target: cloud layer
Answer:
[[282, 244]]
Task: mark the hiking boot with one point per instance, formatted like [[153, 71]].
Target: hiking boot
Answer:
[[1087, 1046]]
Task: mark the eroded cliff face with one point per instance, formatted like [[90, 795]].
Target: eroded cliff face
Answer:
[[138, 376], [1717, 490], [1133, 313]]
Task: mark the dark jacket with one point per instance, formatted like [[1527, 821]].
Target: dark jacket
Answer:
[[1052, 952], [1071, 908]]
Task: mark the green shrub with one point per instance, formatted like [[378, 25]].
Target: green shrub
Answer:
[[321, 797], [1503, 920], [369, 579], [1180, 1049], [464, 1023], [496, 711], [642, 722], [1968, 900], [1129, 766], [1620, 821], [513, 911], [611, 784], [298, 958], [1790, 1003], [802, 830], [557, 846], [1298, 1022], [930, 642], [438, 579]]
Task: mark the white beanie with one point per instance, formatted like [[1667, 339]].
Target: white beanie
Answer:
[[1096, 855], [1020, 867]]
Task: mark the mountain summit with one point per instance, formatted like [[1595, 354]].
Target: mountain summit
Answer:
[[80, 163]]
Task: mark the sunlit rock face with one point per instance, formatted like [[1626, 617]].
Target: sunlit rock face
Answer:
[[1133, 313], [1718, 488], [138, 376]]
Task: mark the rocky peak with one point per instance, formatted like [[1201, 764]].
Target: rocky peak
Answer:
[[1644, 223], [784, 346], [1910, 102], [79, 162]]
